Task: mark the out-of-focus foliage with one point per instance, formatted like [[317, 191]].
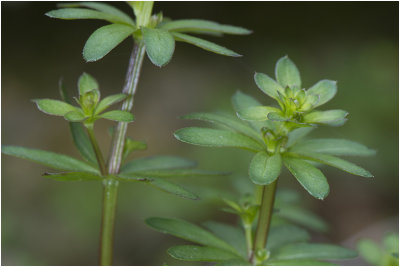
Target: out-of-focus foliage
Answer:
[[385, 254]]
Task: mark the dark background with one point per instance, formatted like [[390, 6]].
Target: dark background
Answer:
[[45, 222]]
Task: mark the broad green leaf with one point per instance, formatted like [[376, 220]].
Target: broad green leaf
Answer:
[[87, 83], [370, 251], [287, 73], [105, 8], [216, 138], [50, 159], [198, 253], [157, 163], [171, 173], [312, 179], [73, 176], [268, 85], [199, 25], [285, 234], [105, 39], [332, 117], [118, 115], [326, 90], [223, 120], [256, 113], [313, 251], [297, 263], [188, 231], [297, 135], [338, 147], [75, 116], [160, 45], [54, 107], [206, 45], [276, 116], [265, 169], [108, 101], [339, 163], [83, 13], [302, 217]]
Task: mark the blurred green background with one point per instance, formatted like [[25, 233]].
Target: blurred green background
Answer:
[[46, 222]]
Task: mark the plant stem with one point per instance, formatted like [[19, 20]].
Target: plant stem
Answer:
[[264, 218], [249, 239], [97, 151]]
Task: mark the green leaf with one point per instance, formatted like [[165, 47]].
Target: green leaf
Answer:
[[313, 251], [160, 45], [202, 26], [338, 147], [297, 263], [105, 39], [276, 116], [391, 242], [216, 138], [73, 176], [268, 85], [297, 135], [265, 169], [198, 253], [256, 113], [223, 120], [370, 251], [325, 89], [339, 163], [285, 234], [168, 173], [206, 45], [333, 117], [312, 179], [54, 107], [50, 159], [75, 116], [302, 217], [87, 83], [156, 163], [118, 115], [105, 8], [287, 73], [188, 231], [108, 101]]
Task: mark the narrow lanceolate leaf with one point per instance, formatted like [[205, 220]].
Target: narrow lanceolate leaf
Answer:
[[297, 263], [370, 251], [216, 138], [87, 83], [108, 101], [160, 45], [313, 251], [105, 39], [339, 163], [325, 89], [312, 179], [157, 163], [73, 176], [223, 120], [171, 173], [50, 159], [202, 26], [188, 231], [118, 115], [75, 116], [331, 117], [257, 113], [54, 107], [287, 73], [338, 147], [265, 169], [206, 45], [83, 13], [303, 217], [298, 135], [268, 85], [198, 253], [284, 234]]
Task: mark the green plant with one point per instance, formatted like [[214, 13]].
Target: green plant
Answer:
[[375, 254], [154, 35], [276, 136]]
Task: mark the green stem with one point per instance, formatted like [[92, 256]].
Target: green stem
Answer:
[[264, 222], [97, 151], [249, 239]]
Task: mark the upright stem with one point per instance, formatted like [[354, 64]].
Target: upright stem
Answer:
[[97, 151]]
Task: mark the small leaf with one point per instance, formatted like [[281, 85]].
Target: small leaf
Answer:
[[108, 101], [105, 39], [287, 73], [302, 217], [312, 179], [256, 113], [216, 138], [157, 163], [265, 169], [50, 159], [75, 116], [285, 234], [87, 83], [297, 135], [370, 251], [118, 115], [325, 89], [277, 116], [206, 45], [297, 263], [268, 85], [73, 176], [83, 13], [332, 117], [202, 26], [314, 251], [338, 147], [188, 231], [54, 107], [160, 45], [197, 253]]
